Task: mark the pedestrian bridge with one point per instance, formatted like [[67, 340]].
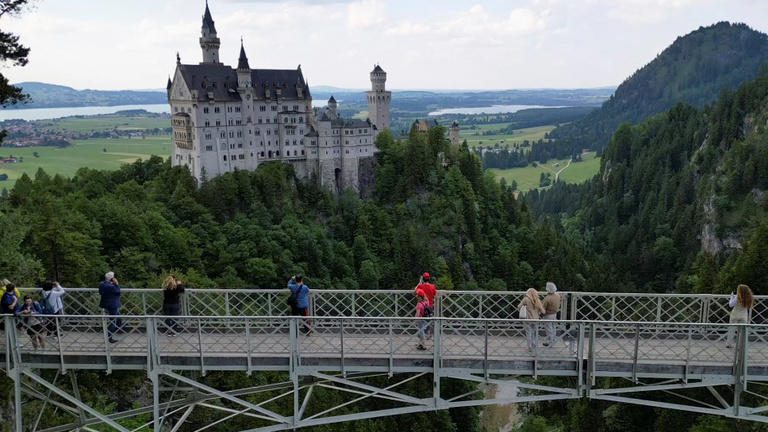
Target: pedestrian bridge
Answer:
[[627, 348]]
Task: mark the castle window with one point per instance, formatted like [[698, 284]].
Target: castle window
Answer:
[[225, 157], [242, 156], [301, 119], [285, 107], [277, 153], [295, 107], [237, 109], [262, 109], [267, 120], [259, 120], [239, 134], [251, 154], [347, 151], [223, 134], [262, 154], [205, 110], [208, 136], [273, 107], [215, 109], [207, 123], [302, 152], [258, 131], [238, 122], [239, 145], [218, 122], [231, 134], [209, 148]]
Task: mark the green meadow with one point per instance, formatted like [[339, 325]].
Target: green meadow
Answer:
[[109, 122], [83, 153], [527, 178], [475, 137]]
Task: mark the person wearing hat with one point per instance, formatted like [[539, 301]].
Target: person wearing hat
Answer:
[[429, 289], [109, 289], [551, 307], [423, 310]]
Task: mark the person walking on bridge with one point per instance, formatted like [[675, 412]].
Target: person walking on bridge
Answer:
[[741, 304], [109, 289], [299, 299], [172, 291], [551, 305], [533, 311], [423, 310]]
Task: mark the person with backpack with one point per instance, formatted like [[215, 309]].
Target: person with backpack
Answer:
[[8, 301], [299, 300], [423, 310], [51, 303], [30, 313], [551, 305], [109, 289], [6, 282]]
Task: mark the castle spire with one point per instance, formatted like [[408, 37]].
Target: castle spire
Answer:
[[208, 19], [242, 62], [209, 41]]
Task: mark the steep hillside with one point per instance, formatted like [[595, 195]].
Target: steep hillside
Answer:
[[694, 70], [44, 95], [680, 200]]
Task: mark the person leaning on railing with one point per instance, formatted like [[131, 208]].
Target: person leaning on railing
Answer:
[[551, 305], [741, 304], [172, 290], [8, 301], [533, 310]]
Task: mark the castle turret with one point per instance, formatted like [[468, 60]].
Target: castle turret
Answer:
[[454, 134], [332, 107], [168, 87], [209, 41], [243, 69], [379, 99]]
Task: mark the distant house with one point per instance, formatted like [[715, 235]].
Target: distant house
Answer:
[[424, 126], [9, 160]]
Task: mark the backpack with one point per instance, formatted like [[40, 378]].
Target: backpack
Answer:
[[429, 311], [47, 305], [293, 299]]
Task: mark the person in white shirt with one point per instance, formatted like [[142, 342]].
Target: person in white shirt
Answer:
[[52, 304]]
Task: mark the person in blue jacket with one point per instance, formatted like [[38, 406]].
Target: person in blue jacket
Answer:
[[109, 289], [31, 313], [299, 299]]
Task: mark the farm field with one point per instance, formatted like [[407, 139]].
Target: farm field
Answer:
[[83, 153], [527, 178], [475, 138], [109, 122]]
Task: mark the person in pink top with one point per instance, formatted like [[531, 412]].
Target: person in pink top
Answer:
[[429, 289]]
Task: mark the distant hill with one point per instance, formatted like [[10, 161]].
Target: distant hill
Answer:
[[44, 95], [695, 69]]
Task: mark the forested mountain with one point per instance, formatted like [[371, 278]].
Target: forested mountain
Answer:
[[680, 201], [694, 70]]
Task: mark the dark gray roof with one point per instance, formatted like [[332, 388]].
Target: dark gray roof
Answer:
[[169, 85], [378, 69], [242, 62], [332, 100], [312, 132], [222, 81], [208, 19], [455, 124]]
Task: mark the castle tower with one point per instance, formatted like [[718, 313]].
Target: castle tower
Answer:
[[379, 99], [454, 134], [243, 69], [209, 42], [332, 107]]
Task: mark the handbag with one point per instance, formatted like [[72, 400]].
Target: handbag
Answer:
[[523, 312]]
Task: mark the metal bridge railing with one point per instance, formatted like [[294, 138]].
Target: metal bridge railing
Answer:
[[206, 342], [401, 303]]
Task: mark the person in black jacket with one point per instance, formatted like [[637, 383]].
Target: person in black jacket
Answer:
[[173, 288], [110, 302]]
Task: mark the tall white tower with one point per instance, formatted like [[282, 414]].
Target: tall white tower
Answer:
[[379, 99], [209, 42]]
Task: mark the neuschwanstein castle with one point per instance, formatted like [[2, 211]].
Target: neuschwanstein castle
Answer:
[[227, 119]]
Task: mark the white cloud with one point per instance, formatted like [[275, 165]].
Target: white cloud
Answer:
[[366, 14]]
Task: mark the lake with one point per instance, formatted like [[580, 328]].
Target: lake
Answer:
[[493, 109], [54, 113]]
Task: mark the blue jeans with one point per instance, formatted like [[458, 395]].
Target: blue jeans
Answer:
[[114, 323]]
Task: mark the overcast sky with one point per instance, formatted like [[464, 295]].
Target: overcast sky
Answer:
[[424, 44]]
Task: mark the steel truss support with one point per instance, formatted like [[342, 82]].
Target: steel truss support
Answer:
[[643, 394]]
